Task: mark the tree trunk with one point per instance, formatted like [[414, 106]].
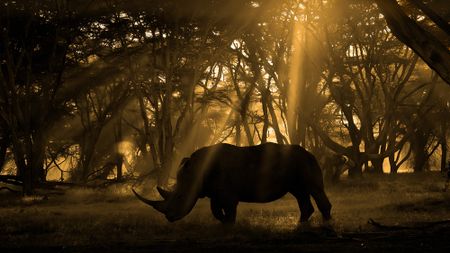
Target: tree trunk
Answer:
[[393, 164], [247, 130], [419, 155], [166, 142], [30, 170], [4, 145], [119, 166], [118, 153], [87, 150], [275, 124], [443, 142], [238, 130], [355, 171], [264, 99], [148, 137], [377, 165], [444, 155], [38, 157]]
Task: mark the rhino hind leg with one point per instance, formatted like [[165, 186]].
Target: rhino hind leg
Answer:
[[305, 205], [323, 203]]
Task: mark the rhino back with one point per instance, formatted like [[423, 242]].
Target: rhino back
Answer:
[[260, 173]]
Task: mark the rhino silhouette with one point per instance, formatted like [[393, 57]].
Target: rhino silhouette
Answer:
[[228, 174]]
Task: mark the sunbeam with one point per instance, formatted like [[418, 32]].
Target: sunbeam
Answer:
[[296, 84]]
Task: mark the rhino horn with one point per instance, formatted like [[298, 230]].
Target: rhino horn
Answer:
[[157, 204], [165, 194]]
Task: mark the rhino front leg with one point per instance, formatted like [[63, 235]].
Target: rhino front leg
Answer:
[[224, 210], [230, 212], [216, 209]]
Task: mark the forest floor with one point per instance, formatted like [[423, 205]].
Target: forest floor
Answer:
[[411, 213]]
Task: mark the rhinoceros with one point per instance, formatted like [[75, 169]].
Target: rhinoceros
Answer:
[[228, 174]]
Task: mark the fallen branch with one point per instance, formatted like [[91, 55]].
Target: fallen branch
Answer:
[[10, 180], [397, 227], [9, 189]]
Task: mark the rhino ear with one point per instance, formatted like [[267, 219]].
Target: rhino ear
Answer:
[[165, 194], [184, 161]]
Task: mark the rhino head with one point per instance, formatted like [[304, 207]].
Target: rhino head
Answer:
[[177, 203]]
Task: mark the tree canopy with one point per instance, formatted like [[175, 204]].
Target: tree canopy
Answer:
[[101, 89]]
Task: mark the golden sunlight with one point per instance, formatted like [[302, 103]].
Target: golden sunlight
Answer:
[[295, 88]]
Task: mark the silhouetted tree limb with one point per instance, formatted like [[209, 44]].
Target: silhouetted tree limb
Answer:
[[425, 44], [438, 20]]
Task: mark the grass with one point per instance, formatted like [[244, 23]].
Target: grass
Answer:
[[113, 220]]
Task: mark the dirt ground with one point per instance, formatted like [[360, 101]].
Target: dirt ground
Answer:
[[403, 213]]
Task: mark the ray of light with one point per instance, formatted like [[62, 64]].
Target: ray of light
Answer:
[[296, 65]]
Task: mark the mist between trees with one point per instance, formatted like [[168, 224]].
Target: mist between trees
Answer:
[[96, 91]]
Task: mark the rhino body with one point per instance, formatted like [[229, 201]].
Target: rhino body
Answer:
[[229, 174]]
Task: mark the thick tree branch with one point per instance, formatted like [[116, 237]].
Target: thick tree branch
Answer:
[[425, 44], [438, 20]]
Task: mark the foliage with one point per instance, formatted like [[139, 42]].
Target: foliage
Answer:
[[81, 79]]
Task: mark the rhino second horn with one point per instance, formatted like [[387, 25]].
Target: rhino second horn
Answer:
[[157, 204], [165, 194]]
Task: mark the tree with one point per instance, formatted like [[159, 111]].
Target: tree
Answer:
[[32, 60], [369, 80]]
